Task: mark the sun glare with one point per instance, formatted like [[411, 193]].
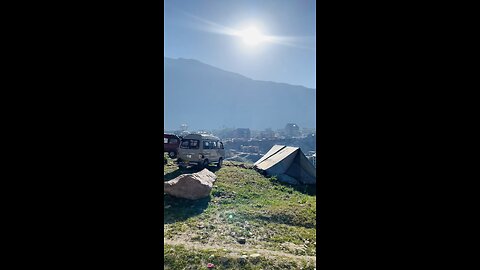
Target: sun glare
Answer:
[[251, 36]]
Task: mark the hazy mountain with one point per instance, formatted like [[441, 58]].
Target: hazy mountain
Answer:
[[206, 97]]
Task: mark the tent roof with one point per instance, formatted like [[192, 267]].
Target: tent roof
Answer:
[[281, 159], [273, 159], [270, 152]]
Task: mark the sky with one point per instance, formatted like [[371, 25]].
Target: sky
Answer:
[[271, 40]]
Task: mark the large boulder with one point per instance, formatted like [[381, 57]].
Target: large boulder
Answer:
[[191, 186]]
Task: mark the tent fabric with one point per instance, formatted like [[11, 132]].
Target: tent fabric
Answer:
[[270, 152], [287, 154], [287, 162]]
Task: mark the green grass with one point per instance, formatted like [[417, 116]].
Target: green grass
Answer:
[[270, 215], [180, 257]]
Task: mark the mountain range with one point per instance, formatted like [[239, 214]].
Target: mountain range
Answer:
[[205, 97]]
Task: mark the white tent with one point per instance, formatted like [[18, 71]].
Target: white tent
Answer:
[[289, 164]]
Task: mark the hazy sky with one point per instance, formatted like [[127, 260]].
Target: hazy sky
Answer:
[[214, 32]]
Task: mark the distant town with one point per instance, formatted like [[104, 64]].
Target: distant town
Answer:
[[246, 145]]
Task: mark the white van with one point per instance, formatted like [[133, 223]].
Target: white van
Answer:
[[200, 150]]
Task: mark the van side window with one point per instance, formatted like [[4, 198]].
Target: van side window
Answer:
[[165, 140], [214, 145], [206, 145], [173, 140], [193, 144], [221, 145], [189, 144]]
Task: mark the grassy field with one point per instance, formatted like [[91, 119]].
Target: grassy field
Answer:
[[276, 222]]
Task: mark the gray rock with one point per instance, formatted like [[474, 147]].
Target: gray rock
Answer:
[[191, 186]]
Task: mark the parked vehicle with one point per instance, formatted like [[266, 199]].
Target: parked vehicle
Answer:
[[170, 144], [200, 150]]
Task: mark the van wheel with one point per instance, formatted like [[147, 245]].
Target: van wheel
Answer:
[[204, 164], [172, 154], [220, 163]]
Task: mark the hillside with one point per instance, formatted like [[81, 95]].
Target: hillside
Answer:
[[277, 221], [206, 97]]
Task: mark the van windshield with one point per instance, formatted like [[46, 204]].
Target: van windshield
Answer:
[[189, 144]]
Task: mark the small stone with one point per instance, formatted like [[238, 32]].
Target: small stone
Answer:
[[256, 255], [241, 240], [307, 242]]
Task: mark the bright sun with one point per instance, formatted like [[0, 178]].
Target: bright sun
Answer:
[[251, 36]]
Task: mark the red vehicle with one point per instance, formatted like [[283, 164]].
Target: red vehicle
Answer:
[[171, 143]]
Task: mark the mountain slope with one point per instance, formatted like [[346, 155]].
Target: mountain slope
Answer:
[[206, 97]]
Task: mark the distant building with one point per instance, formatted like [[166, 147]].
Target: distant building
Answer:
[[292, 130], [250, 148], [183, 127], [243, 133], [184, 133], [267, 134]]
